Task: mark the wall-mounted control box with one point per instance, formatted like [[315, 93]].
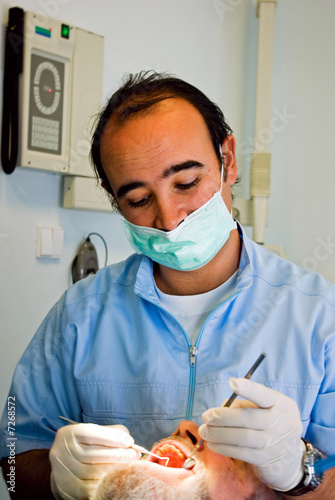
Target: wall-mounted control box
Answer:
[[61, 91]]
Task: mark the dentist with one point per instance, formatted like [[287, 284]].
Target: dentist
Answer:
[[166, 334]]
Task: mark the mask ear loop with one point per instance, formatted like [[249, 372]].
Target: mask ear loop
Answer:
[[222, 168]]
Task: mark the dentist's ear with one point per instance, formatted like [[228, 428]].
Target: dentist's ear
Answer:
[[229, 158]]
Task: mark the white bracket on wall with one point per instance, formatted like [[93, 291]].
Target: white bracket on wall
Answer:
[[84, 193]]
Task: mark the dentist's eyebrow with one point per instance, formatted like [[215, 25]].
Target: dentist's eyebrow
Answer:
[[181, 166], [174, 169], [123, 190]]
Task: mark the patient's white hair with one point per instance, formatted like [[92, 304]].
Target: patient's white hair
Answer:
[[131, 482]]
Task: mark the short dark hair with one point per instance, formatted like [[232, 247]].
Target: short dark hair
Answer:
[[144, 90]]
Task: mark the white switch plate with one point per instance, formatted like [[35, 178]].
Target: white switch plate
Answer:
[[49, 243]]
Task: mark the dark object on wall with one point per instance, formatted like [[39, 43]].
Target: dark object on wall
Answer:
[[12, 71], [86, 262]]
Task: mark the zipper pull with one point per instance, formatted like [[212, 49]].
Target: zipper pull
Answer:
[[193, 354]]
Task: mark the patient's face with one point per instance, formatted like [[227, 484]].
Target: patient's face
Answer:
[[213, 477]]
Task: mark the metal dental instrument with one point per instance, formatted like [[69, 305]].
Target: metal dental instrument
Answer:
[[190, 462], [134, 446], [68, 420]]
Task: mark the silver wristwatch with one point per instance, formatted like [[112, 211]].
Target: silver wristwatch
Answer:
[[311, 479]]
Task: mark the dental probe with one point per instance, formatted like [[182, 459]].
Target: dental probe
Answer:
[[134, 446], [190, 462]]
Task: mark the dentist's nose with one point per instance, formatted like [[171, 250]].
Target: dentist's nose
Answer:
[[168, 216]]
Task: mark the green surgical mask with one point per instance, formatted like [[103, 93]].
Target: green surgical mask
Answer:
[[190, 245]]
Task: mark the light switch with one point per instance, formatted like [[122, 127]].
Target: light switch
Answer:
[[49, 242], [46, 241], [57, 241]]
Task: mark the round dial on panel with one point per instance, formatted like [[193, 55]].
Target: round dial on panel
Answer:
[[47, 88]]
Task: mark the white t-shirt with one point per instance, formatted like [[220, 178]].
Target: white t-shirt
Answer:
[[192, 310]]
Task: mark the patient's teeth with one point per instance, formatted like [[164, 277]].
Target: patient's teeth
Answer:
[[165, 448]]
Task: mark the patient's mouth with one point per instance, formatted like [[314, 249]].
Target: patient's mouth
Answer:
[[175, 455]]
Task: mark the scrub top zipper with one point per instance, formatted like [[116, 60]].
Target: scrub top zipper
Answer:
[[193, 352], [193, 357]]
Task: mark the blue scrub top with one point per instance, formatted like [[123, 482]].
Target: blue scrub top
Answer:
[[108, 353]]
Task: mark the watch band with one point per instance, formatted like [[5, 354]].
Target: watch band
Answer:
[[310, 480]]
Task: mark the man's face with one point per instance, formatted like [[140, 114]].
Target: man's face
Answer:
[[162, 166], [213, 477]]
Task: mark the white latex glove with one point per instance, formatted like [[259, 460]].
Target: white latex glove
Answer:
[[81, 454], [264, 431]]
